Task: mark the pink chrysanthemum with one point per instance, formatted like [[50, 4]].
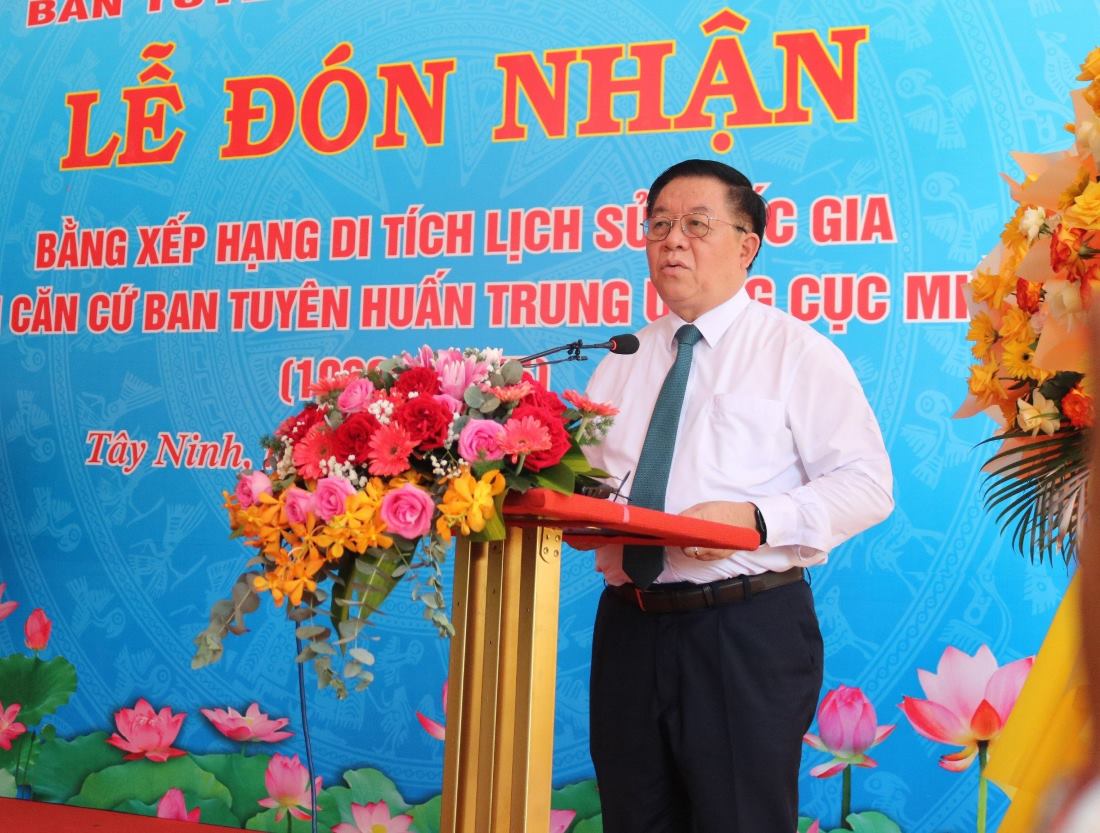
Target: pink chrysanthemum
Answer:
[[511, 393], [390, 447], [525, 435], [587, 406]]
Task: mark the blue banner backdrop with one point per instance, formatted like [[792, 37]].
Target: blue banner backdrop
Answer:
[[183, 283]]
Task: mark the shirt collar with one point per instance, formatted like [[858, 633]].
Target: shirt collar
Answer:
[[714, 322]]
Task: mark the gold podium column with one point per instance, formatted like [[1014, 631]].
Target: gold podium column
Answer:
[[499, 749]]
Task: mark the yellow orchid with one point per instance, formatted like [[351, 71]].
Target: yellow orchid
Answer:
[[468, 503]]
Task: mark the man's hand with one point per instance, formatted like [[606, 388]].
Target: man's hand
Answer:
[[723, 512]]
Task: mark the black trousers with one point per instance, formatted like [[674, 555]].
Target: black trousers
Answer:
[[697, 718]]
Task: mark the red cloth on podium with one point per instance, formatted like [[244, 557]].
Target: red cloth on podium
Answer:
[[589, 522]]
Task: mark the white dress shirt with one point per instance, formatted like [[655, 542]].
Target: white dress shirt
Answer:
[[773, 414]]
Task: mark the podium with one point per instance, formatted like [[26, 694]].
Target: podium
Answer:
[[498, 756]]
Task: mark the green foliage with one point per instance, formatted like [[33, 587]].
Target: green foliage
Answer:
[[364, 786], [560, 478], [592, 825], [7, 784], [266, 821], [227, 616], [41, 687], [147, 782], [871, 821], [211, 810], [243, 776], [582, 797], [426, 816], [1038, 491], [62, 765]]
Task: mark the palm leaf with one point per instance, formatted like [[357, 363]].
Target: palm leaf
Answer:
[[1035, 492]]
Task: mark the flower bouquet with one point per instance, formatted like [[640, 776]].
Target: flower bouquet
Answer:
[[369, 482], [1028, 305]]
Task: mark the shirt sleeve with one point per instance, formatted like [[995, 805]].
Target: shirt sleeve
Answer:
[[849, 481]]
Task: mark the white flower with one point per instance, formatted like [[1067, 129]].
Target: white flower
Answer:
[[1088, 134], [1040, 415], [1064, 300], [1032, 223]]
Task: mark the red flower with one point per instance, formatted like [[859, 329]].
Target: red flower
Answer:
[[390, 448], [1077, 406], [559, 437], [1028, 295], [314, 447], [588, 406], [540, 397], [1065, 249], [36, 631], [423, 380], [426, 420], [296, 427], [352, 438]]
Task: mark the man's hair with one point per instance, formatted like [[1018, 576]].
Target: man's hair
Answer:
[[742, 198]]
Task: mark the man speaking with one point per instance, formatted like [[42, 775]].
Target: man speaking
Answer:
[[707, 664]]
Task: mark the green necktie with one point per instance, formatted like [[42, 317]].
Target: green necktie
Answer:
[[644, 563]]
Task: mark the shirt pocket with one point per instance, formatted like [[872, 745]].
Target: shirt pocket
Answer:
[[752, 440]]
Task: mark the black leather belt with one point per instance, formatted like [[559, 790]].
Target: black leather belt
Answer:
[[683, 596]]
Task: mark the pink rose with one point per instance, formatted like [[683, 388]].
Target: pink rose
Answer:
[[330, 497], [480, 440], [356, 396], [455, 405], [250, 486], [408, 511], [298, 503]]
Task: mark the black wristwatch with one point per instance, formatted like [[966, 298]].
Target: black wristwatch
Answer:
[[761, 527]]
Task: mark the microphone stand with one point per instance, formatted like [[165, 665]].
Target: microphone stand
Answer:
[[574, 348]]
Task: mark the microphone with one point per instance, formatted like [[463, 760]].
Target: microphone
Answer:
[[624, 344]]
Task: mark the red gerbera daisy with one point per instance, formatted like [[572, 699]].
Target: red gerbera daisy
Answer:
[[390, 447], [587, 406]]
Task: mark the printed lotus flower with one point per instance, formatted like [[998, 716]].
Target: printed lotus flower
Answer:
[[561, 819], [145, 733], [374, 818], [848, 726], [36, 631], [969, 700], [6, 608], [434, 728], [253, 726], [173, 806], [287, 783], [9, 728]]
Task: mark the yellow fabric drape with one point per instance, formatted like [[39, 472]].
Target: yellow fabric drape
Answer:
[[1047, 736]]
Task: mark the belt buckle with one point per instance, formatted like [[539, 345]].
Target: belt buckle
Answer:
[[638, 598]]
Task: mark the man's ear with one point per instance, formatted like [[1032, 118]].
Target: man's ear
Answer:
[[750, 245]]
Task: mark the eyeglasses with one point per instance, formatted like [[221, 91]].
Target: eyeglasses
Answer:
[[693, 224]]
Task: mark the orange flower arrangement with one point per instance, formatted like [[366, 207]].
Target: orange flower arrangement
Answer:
[[369, 482], [1028, 304]]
